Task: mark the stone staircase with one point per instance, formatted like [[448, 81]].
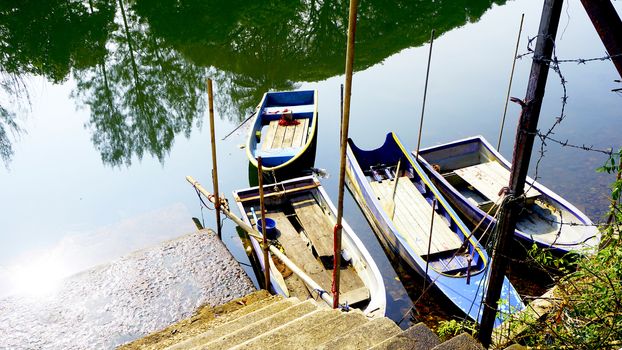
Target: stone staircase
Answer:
[[262, 321]]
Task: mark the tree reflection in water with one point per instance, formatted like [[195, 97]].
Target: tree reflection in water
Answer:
[[140, 65]]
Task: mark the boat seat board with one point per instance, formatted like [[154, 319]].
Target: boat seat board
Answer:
[[489, 178], [297, 250], [412, 216], [290, 136], [354, 296], [294, 109], [315, 223], [454, 264]]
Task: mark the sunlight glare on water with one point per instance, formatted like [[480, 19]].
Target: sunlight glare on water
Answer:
[[37, 277]]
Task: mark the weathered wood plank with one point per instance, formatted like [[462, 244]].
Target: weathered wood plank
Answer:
[[289, 135], [300, 135], [355, 295], [315, 223], [489, 178], [297, 250], [268, 139], [279, 135], [413, 215]]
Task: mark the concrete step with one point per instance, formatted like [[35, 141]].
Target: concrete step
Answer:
[[290, 330], [250, 316], [364, 336], [417, 337], [321, 333], [462, 341], [206, 317], [425, 338], [262, 326]]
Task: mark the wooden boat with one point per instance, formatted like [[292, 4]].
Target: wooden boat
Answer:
[[284, 130], [451, 258], [305, 218], [471, 175]]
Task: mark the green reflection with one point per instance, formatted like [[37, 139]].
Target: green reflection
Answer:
[[141, 96], [45, 38], [140, 65], [268, 45]]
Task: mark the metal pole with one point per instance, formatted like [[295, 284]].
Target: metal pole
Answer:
[[507, 97], [210, 94], [425, 92], [344, 142], [427, 262], [609, 27], [525, 135], [266, 262]]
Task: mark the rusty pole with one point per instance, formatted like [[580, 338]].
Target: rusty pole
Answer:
[[523, 145], [210, 94], [345, 122], [609, 27]]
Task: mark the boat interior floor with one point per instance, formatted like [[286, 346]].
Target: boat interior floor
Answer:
[[285, 136], [541, 220], [412, 214], [305, 232]]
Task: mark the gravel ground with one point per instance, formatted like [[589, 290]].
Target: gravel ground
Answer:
[[128, 298]]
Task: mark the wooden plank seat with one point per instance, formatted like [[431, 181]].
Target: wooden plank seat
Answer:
[[315, 223], [412, 216], [489, 178], [452, 264], [279, 137], [294, 109]]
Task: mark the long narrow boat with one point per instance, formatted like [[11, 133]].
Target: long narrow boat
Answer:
[[284, 130], [471, 173], [398, 203], [305, 217]]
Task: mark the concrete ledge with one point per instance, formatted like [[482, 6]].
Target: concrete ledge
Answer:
[[128, 298]]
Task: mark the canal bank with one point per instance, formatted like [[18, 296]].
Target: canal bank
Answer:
[[128, 298]]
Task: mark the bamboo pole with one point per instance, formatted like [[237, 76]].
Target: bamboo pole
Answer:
[[425, 92], [341, 115], [427, 262], [274, 250], [210, 95], [507, 97], [397, 177], [262, 207], [344, 142]]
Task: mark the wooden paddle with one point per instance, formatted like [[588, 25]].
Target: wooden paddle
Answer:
[[242, 123]]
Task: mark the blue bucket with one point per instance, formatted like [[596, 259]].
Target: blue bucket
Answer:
[[270, 228]]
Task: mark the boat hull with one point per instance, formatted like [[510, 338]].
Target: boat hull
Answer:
[[358, 256], [466, 293], [290, 155], [582, 236]]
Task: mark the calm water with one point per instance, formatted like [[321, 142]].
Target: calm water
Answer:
[[110, 98]]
